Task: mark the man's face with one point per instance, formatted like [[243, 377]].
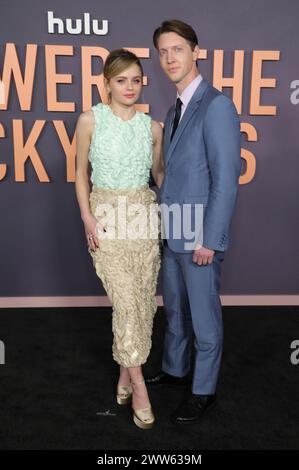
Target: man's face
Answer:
[[176, 56]]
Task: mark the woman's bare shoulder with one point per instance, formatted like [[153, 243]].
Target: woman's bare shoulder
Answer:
[[86, 118], [157, 130], [86, 121]]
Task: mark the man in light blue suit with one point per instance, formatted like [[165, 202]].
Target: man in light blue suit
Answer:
[[202, 166]]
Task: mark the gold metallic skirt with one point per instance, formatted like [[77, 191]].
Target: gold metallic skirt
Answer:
[[128, 262]]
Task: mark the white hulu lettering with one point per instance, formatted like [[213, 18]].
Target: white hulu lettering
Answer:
[[77, 26]]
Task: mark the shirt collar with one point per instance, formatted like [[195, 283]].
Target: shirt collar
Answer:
[[188, 92]]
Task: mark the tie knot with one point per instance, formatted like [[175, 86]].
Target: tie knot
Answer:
[[178, 103]]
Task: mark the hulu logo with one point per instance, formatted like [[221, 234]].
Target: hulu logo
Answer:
[[78, 26]]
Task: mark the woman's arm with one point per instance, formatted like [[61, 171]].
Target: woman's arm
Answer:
[[84, 129], [158, 163]]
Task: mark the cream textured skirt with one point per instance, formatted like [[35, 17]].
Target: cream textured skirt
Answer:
[[127, 263]]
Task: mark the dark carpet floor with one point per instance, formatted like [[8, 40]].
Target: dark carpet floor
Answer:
[[57, 385]]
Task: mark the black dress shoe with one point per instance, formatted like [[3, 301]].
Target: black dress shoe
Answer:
[[193, 408], [166, 379]]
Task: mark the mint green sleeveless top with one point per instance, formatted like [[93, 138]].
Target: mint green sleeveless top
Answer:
[[120, 151]]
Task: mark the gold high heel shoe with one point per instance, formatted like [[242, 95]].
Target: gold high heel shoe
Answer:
[[124, 394], [144, 417]]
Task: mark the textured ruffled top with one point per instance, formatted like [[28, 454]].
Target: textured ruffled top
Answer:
[[120, 151]]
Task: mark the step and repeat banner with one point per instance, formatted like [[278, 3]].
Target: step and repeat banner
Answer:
[[51, 62]]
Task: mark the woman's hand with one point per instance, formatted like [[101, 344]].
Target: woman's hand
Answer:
[[92, 225]]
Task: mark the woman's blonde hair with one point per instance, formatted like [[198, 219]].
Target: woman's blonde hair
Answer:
[[118, 61]]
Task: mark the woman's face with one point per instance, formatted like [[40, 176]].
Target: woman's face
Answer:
[[126, 87]]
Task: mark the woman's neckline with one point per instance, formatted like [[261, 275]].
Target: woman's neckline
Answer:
[[118, 117]]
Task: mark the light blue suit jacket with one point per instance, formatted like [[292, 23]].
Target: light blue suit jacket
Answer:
[[203, 165]]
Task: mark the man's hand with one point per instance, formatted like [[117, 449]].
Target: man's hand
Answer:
[[202, 255]]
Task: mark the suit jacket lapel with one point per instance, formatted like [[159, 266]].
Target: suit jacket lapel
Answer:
[[193, 105]]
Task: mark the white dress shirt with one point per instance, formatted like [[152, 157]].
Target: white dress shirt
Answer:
[[188, 92]]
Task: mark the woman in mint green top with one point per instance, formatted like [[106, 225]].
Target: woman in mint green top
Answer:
[[126, 168], [121, 220]]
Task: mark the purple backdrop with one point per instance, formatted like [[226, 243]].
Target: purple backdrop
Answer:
[[43, 249]]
